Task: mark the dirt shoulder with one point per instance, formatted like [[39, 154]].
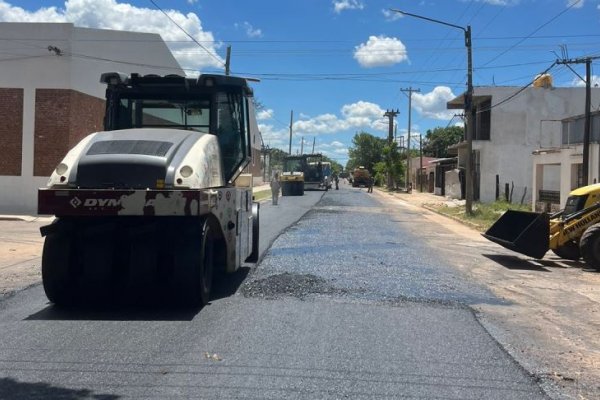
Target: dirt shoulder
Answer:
[[551, 322], [20, 252]]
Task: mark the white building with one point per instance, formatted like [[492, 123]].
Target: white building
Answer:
[[558, 170], [509, 126], [50, 95]]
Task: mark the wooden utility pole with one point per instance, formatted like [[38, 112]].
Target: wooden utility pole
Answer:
[[391, 114], [421, 163], [410, 91], [291, 123]]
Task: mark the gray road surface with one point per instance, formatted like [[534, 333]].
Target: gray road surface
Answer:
[[347, 303]]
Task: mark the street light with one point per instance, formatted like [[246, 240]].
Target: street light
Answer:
[[468, 106]]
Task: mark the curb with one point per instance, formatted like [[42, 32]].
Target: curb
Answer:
[[462, 221], [433, 209]]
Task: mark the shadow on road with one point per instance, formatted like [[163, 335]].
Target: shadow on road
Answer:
[[114, 313], [514, 262], [12, 389], [223, 286], [226, 285]]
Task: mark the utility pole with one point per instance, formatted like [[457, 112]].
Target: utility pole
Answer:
[[421, 163], [302, 146], [391, 114], [410, 91], [228, 61], [291, 123], [313, 149], [587, 124], [468, 106]]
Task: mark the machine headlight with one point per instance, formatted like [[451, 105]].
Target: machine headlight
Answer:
[[186, 171], [61, 169]]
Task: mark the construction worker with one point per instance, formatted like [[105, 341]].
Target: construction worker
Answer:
[[370, 189], [275, 186]]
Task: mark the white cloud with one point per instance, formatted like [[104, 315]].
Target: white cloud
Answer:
[[341, 5], [9, 13], [390, 15], [274, 137], [324, 123], [579, 83], [361, 114], [192, 2], [250, 30], [264, 114], [110, 14], [433, 104], [334, 150], [575, 3], [380, 51]]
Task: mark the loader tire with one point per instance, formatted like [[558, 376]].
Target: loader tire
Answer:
[[590, 246], [568, 251], [56, 272]]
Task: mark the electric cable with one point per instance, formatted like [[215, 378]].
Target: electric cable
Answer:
[[187, 34]]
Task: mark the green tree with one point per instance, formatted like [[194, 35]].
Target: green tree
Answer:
[[392, 164], [335, 166], [437, 141], [277, 156], [366, 150]]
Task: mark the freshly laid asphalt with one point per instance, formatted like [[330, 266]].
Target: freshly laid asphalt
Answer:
[[346, 303]]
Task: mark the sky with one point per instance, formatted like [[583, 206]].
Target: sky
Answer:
[[339, 65]]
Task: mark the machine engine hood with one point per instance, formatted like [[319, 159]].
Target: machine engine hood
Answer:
[[148, 158]]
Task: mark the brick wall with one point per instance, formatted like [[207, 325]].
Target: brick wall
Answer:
[[62, 118], [87, 116], [11, 131]]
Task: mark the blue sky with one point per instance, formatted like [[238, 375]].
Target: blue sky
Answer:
[[339, 64]]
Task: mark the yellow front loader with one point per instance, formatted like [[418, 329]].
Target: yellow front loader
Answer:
[[571, 233]]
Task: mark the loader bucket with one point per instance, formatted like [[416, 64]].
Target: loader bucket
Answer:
[[521, 231]]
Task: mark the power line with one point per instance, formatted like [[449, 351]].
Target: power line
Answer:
[[573, 4], [187, 34], [258, 41], [518, 92]]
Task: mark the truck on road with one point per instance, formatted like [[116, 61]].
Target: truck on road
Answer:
[[361, 176], [157, 203]]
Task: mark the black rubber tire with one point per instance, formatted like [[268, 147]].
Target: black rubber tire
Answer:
[[253, 257], [589, 246], [297, 189], [193, 266], [286, 188], [568, 251], [56, 272]]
